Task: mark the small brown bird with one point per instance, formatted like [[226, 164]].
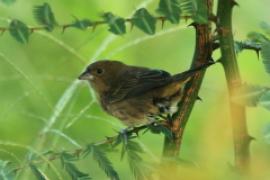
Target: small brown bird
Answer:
[[135, 94]]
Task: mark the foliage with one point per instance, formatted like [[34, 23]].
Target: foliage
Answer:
[[172, 11], [19, 31], [44, 16], [38, 173], [8, 2], [7, 172], [142, 19], [104, 163], [253, 96]]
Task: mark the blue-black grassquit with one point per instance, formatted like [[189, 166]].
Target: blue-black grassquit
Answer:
[[133, 94]]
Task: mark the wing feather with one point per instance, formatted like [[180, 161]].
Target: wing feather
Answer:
[[136, 82]]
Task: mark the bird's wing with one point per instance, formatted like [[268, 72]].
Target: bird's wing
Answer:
[[135, 82]]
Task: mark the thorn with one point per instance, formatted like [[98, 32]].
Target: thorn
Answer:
[[258, 53], [186, 18], [211, 60], [131, 26], [213, 18], [78, 152], [199, 98], [251, 138], [162, 23], [136, 131], [194, 24], [109, 139], [94, 27], [64, 28], [234, 3], [216, 45], [219, 61], [2, 32]]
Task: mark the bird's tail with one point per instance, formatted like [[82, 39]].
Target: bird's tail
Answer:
[[187, 75]]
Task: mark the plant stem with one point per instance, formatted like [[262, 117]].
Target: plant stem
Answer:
[[202, 56], [228, 59]]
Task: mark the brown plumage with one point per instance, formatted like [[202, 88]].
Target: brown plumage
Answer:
[[133, 94]]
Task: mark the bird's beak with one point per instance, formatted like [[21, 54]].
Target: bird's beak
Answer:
[[86, 76]]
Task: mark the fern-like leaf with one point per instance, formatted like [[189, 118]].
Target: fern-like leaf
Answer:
[[104, 163], [75, 173], [264, 100], [8, 2], [266, 55], [82, 24], [38, 173], [137, 166], [249, 95], [116, 24], [44, 16], [144, 21], [266, 27], [71, 169], [188, 8], [257, 37], [6, 170], [19, 31], [170, 9]]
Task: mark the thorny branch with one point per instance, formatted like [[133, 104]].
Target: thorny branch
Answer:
[[202, 55], [110, 140]]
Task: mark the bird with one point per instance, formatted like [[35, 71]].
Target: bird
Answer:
[[135, 94]]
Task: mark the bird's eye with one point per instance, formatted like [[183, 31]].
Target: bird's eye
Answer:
[[100, 71]]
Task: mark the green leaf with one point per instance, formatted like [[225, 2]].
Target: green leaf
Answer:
[[68, 157], [44, 16], [266, 55], [157, 129], [38, 173], [6, 170], [139, 168], [264, 100], [74, 172], [266, 27], [144, 21], [249, 95], [104, 163], [19, 31], [188, 7], [8, 2], [116, 24], [257, 37], [266, 133], [201, 15], [170, 9], [239, 46], [82, 24]]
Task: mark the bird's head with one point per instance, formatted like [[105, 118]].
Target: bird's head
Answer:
[[102, 74]]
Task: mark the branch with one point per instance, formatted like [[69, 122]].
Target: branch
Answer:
[[93, 25], [229, 62], [202, 56], [111, 140]]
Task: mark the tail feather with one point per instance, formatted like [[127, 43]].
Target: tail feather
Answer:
[[186, 75]]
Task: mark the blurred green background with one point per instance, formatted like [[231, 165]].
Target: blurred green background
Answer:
[[39, 91]]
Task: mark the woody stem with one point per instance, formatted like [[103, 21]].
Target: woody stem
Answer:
[[202, 54], [228, 59]]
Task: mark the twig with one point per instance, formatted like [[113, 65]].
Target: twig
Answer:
[[129, 133], [94, 24]]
